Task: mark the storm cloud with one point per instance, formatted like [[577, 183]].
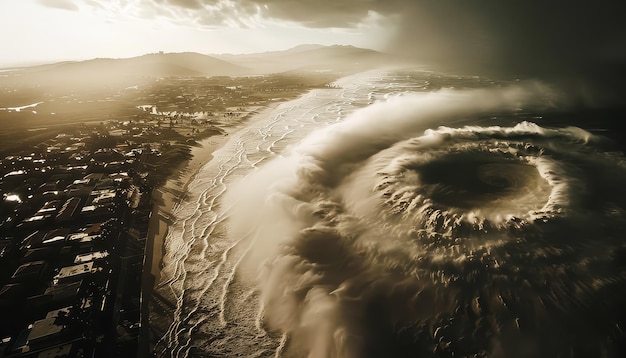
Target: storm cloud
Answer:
[[315, 14], [557, 39], [581, 43], [59, 4]]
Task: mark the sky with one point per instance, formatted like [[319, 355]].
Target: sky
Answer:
[[580, 41], [43, 31]]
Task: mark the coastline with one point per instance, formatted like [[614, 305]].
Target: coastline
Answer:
[[167, 196], [165, 199], [166, 311]]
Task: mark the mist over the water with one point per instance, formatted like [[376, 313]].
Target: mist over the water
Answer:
[[390, 235]]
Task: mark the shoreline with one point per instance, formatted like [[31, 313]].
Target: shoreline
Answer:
[[166, 197], [159, 307]]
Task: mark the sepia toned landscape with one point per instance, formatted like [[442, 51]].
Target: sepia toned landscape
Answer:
[[112, 149], [354, 179]]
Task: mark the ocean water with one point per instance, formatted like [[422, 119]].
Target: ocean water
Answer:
[[402, 214]]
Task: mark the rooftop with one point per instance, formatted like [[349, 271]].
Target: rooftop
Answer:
[[76, 271]]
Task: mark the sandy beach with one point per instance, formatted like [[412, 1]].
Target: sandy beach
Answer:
[[167, 197]]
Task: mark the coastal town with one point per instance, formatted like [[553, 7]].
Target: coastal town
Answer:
[[77, 203], [75, 215]]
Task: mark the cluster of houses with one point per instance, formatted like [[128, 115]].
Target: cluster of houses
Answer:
[[73, 224]]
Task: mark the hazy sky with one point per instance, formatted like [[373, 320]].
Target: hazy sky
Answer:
[[35, 31], [555, 38]]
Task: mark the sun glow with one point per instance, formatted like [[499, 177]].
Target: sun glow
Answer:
[[44, 31]]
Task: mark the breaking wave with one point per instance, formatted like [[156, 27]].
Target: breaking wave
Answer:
[[389, 234]]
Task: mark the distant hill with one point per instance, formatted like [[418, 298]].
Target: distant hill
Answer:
[[109, 72], [311, 58], [106, 71]]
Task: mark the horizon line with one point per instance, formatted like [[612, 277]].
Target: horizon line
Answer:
[[35, 63]]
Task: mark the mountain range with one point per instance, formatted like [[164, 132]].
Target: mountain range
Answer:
[[107, 71]]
